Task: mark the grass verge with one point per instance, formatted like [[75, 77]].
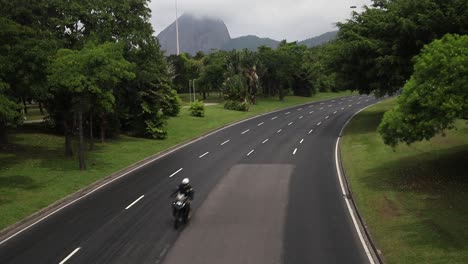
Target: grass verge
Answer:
[[414, 199], [34, 172]]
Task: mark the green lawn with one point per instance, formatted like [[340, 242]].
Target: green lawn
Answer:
[[34, 173], [414, 199]]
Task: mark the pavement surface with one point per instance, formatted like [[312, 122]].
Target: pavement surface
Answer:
[[267, 191]]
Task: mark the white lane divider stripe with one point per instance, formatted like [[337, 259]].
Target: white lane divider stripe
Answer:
[[294, 152], [319, 123], [330, 105], [225, 142], [287, 113], [311, 112], [302, 140], [273, 118], [322, 103], [342, 108], [279, 131], [327, 117], [311, 105], [349, 105], [321, 108], [70, 255], [245, 131], [290, 123], [333, 101], [179, 170], [301, 117], [335, 112], [261, 123], [265, 141], [310, 132], [299, 109], [248, 154], [136, 201], [203, 155]]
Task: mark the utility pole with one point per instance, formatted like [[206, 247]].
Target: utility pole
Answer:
[[177, 28]]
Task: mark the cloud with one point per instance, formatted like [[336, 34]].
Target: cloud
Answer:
[[277, 19]]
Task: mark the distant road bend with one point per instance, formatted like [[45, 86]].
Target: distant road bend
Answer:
[[267, 191]]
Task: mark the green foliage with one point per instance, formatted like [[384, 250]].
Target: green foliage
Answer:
[[235, 88], [434, 97], [377, 46], [237, 106], [197, 108]]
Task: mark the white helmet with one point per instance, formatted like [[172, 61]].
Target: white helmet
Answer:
[[185, 181]]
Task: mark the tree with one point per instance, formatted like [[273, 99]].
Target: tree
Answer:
[[377, 46], [434, 97], [83, 77], [212, 72], [10, 114]]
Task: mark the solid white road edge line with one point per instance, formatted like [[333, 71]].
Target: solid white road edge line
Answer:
[[70, 255], [172, 175], [203, 155], [248, 154], [245, 131], [343, 190], [136, 201], [225, 142], [265, 141]]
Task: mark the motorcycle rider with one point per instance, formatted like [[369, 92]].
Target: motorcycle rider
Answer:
[[186, 189]]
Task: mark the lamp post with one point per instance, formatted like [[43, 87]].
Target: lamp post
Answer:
[[177, 28]]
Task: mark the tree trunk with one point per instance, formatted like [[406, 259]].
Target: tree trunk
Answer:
[[103, 128], [80, 141], [91, 136], [3, 133], [41, 109], [204, 95], [68, 139], [25, 107]]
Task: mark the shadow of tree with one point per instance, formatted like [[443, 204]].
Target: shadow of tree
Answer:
[[437, 185]]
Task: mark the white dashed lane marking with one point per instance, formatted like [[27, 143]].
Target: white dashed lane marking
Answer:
[[245, 131], [69, 255], [179, 170], [265, 141], [203, 155], [248, 154], [225, 142]]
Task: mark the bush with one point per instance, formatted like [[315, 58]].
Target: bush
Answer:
[[237, 106], [197, 108]]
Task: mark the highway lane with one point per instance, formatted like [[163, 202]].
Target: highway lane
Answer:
[[98, 228]]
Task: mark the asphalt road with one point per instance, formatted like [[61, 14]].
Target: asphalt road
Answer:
[[266, 192]]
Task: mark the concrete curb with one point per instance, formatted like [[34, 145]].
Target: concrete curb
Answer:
[[376, 253], [35, 218]]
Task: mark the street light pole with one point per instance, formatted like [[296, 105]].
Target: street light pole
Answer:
[[177, 28]]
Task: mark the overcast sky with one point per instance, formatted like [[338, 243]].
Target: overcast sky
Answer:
[[277, 19]]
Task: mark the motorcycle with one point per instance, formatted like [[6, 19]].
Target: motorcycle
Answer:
[[180, 210]]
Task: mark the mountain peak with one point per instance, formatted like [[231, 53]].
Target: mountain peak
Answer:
[[196, 33]]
